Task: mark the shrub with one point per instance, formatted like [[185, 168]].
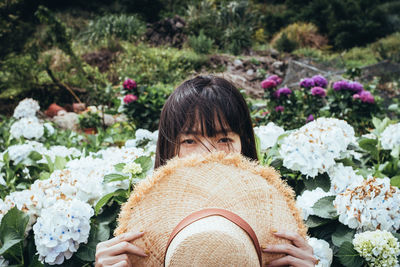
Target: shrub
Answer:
[[359, 57], [303, 34], [201, 44], [124, 27], [284, 44], [388, 47], [152, 65]]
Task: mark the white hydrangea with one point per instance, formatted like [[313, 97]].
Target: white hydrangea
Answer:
[[313, 148], [375, 204], [343, 177], [60, 229], [322, 251], [26, 201], [26, 108], [20, 153], [391, 136], [378, 248], [60, 151], [29, 128], [143, 136], [3, 262], [132, 168], [268, 135], [307, 200], [50, 129]]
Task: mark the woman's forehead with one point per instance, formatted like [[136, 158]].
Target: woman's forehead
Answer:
[[200, 127]]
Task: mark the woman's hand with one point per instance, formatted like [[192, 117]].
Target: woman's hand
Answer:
[[114, 252], [298, 254]]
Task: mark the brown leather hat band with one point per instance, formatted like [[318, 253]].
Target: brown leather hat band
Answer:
[[195, 216]]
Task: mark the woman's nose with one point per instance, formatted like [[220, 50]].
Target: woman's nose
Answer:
[[209, 146]]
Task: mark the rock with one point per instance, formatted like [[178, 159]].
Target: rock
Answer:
[[277, 65], [67, 120], [238, 63], [250, 72]]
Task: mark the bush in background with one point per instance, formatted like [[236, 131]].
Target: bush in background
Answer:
[[124, 27], [201, 44]]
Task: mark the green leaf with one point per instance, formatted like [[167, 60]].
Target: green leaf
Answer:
[[376, 122], [324, 208], [145, 163], [342, 234], [395, 152], [49, 163], [322, 180], [114, 177], [395, 181], [44, 175], [315, 221], [87, 252], [348, 256], [368, 144], [12, 229], [119, 167], [59, 163], [104, 200], [35, 156]]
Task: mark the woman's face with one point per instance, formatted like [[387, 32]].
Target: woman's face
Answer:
[[195, 142]]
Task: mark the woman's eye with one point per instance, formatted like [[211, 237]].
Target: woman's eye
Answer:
[[225, 140], [188, 141]]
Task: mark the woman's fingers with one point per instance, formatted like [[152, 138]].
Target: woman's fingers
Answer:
[[297, 239], [126, 247], [290, 261], [110, 261], [291, 250], [121, 264], [124, 237]]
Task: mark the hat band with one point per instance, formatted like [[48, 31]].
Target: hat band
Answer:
[[236, 219]]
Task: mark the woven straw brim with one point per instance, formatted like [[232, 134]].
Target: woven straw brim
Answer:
[[216, 180], [210, 242]]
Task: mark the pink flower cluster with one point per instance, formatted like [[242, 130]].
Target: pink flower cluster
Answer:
[[355, 87], [271, 82], [129, 84], [130, 98]]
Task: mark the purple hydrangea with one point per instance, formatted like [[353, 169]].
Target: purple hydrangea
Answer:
[[318, 91], [310, 118], [356, 87], [367, 97], [279, 108], [320, 81], [282, 91], [307, 83], [275, 78], [341, 85]]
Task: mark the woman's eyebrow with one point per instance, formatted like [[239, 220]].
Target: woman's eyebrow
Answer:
[[200, 133]]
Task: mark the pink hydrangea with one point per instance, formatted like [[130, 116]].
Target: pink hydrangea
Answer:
[[275, 78], [279, 108], [310, 118], [367, 97], [130, 98], [129, 84], [268, 84]]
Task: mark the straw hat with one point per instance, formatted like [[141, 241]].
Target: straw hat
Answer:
[[254, 194]]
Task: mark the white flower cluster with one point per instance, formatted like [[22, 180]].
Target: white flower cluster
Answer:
[[29, 128], [343, 177], [60, 229], [378, 248], [20, 153], [391, 136], [132, 168], [144, 138], [268, 135], [322, 251], [307, 200], [27, 108], [313, 148], [375, 204]]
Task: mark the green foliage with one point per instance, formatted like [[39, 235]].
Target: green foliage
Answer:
[[348, 256], [284, 44], [229, 24], [89, 120], [324, 208], [388, 47], [105, 28], [145, 111], [152, 65], [201, 44], [359, 57]]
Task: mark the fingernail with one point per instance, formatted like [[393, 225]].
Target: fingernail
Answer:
[[274, 230], [263, 246]]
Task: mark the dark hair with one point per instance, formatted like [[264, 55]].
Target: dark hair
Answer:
[[212, 100]]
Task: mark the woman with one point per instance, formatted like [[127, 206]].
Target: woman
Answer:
[[202, 115]]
